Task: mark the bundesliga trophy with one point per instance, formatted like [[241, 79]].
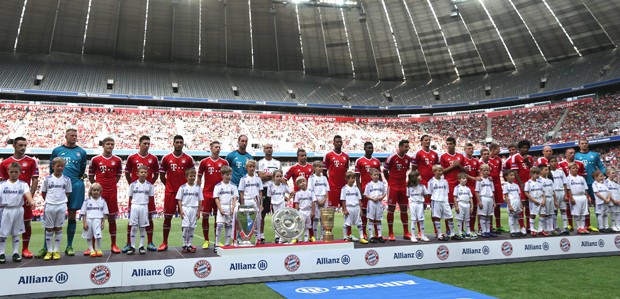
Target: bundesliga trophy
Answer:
[[288, 224], [327, 218], [246, 222]]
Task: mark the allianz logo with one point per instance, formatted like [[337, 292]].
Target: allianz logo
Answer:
[[599, 243], [260, 265], [60, 278], [469, 251], [408, 255], [345, 260], [544, 246], [144, 272]]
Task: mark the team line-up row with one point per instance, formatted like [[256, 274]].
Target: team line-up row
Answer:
[[474, 184]]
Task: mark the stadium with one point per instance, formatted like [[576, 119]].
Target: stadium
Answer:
[[293, 75]]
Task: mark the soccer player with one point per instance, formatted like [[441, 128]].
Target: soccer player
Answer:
[[472, 168], [172, 174], [350, 198], [592, 162], [395, 171], [535, 196], [578, 196], [301, 168], [319, 186], [75, 167], [486, 203], [30, 175], [210, 168], [440, 209], [512, 197], [495, 162], [134, 161], [93, 212], [189, 197], [423, 160], [363, 166], [251, 194], [336, 166], [374, 193], [522, 163], [55, 190], [106, 169], [512, 150], [13, 195], [559, 188], [141, 193], [237, 159], [547, 153], [569, 157], [463, 205], [226, 197], [452, 164], [303, 202], [603, 198], [265, 169]]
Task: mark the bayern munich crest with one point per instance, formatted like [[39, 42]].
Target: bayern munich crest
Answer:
[[507, 248], [202, 268], [100, 275], [617, 241], [565, 245], [292, 263], [443, 253], [371, 257]]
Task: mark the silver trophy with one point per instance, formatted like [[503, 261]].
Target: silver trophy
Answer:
[[246, 223], [288, 224]]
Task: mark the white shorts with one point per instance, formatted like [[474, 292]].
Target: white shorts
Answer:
[[227, 220], [534, 208], [12, 223], [277, 206], [189, 220], [354, 216], [601, 209], [516, 205], [416, 209], [580, 208], [94, 228], [549, 207], [374, 210], [441, 209], [307, 219], [487, 206], [464, 211], [54, 215], [559, 194], [615, 208], [139, 215]]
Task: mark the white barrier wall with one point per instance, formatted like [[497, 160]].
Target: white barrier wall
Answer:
[[51, 279]]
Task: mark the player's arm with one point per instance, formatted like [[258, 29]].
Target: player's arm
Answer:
[[456, 201], [343, 202], [91, 172], [386, 173], [34, 184], [600, 165], [180, 203], [530, 197], [83, 165], [358, 181], [296, 203], [28, 198], [453, 165]]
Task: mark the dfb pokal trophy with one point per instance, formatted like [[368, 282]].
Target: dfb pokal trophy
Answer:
[[246, 216], [288, 224], [327, 218]]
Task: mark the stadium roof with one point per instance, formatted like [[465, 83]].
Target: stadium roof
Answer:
[[382, 39]]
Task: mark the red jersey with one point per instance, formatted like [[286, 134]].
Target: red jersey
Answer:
[[425, 161], [496, 169], [580, 171], [363, 166], [397, 167], [135, 160], [508, 163], [106, 171], [210, 169], [519, 164], [296, 171], [446, 160], [337, 166], [542, 161], [472, 167], [174, 167], [30, 168]]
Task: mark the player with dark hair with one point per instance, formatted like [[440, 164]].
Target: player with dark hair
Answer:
[[210, 168], [172, 171], [134, 161], [301, 168], [592, 162], [336, 164], [237, 159], [522, 162], [395, 171], [363, 166]]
